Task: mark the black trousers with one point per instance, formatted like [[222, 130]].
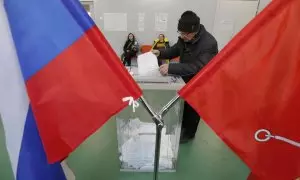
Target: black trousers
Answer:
[[190, 121], [127, 58], [159, 61]]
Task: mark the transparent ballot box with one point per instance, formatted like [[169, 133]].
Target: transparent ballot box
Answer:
[[137, 131]]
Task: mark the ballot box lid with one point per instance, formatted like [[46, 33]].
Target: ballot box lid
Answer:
[[156, 81]]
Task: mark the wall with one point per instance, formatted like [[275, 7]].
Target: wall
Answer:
[[204, 8], [231, 17]]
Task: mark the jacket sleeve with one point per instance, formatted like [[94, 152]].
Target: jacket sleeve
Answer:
[[170, 53], [167, 44], [124, 47], [154, 45], [135, 47], [186, 69]]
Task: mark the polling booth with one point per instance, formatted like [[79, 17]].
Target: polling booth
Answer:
[[136, 130], [146, 20]]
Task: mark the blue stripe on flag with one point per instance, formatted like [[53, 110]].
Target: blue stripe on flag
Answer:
[[43, 29], [33, 163]]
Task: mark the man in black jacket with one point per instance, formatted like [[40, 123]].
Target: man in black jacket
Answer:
[[195, 47]]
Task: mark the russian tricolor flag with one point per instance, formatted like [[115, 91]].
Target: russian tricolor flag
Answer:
[[59, 82]]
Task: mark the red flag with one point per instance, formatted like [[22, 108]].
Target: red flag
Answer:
[[250, 93], [255, 177], [252, 177]]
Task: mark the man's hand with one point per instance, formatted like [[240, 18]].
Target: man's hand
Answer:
[[156, 52], [163, 69]]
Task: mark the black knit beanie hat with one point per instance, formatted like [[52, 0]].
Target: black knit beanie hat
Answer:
[[189, 22]]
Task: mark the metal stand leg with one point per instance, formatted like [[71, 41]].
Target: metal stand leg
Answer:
[[157, 118], [157, 150]]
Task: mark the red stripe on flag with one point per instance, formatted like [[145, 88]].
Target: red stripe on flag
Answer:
[[252, 177], [76, 93], [255, 177], [253, 84]]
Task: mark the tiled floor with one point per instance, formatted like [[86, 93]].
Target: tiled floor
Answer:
[[206, 158]]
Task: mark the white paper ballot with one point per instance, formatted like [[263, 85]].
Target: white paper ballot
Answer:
[[148, 65], [138, 151]]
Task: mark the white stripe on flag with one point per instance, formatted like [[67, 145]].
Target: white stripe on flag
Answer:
[[14, 102]]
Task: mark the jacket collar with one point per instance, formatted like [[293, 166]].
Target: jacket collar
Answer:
[[201, 31]]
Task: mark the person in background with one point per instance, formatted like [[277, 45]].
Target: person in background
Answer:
[[130, 49], [161, 43], [195, 47]]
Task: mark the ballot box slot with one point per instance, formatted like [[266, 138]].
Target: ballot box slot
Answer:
[[151, 82]]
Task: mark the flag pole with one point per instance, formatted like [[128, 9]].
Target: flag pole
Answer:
[[157, 118], [257, 8], [168, 106], [159, 125]]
